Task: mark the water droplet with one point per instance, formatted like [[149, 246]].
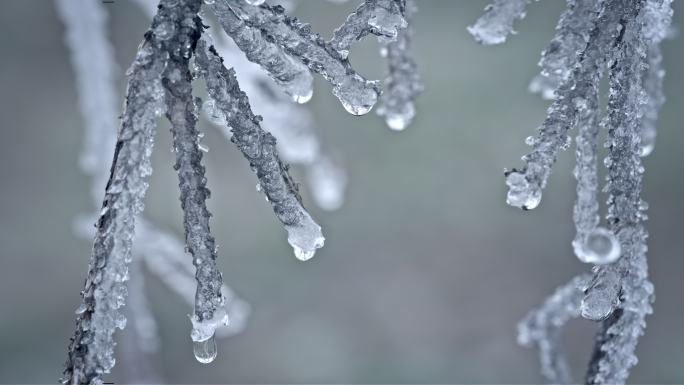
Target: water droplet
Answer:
[[599, 247], [304, 97], [357, 96], [205, 351]]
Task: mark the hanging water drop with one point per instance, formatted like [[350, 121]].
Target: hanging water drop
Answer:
[[205, 351], [599, 247]]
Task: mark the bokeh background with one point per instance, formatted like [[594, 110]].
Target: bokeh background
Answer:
[[425, 271]]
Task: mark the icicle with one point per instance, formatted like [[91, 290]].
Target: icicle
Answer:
[[91, 349], [258, 146], [497, 23], [357, 95], [561, 56], [403, 84], [542, 327]]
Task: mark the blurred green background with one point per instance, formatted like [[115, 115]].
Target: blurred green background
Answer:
[[425, 271]]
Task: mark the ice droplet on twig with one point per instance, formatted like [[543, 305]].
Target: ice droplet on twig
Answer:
[[205, 351], [599, 247]]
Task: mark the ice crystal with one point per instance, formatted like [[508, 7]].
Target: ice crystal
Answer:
[[622, 38]]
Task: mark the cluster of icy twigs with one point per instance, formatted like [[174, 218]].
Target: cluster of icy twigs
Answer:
[[175, 51], [620, 38]]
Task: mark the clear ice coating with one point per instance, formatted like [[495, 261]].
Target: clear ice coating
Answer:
[[291, 75], [205, 351], [91, 352], [560, 57], [521, 193], [573, 98], [258, 147], [599, 246], [383, 18], [256, 29], [182, 112], [497, 23]]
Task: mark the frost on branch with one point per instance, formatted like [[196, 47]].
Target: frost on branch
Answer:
[[621, 37], [264, 27], [497, 23], [258, 146]]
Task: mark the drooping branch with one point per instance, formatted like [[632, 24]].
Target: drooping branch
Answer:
[[258, 146]]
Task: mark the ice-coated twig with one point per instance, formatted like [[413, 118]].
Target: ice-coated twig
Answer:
[[497, 23], [592, 244], [292, 76], [181, 111], [258, 146], [525, 186], [542, 328], [561, 56], [91, 350], [164, 256], [291, 124], [357, 95], [384, 18], [616, 342], [403, 84]]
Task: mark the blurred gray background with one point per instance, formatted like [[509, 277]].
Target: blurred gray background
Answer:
[[425, 271]]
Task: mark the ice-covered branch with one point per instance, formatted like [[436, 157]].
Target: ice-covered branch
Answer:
[[181, 111], [384, 18], [403, 84], [542, 327], [91, 349], [497, 23], [525, 186], [562, 54], [262, 29], [258, 146]]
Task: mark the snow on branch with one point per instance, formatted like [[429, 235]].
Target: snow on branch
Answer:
[[258, 146]]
